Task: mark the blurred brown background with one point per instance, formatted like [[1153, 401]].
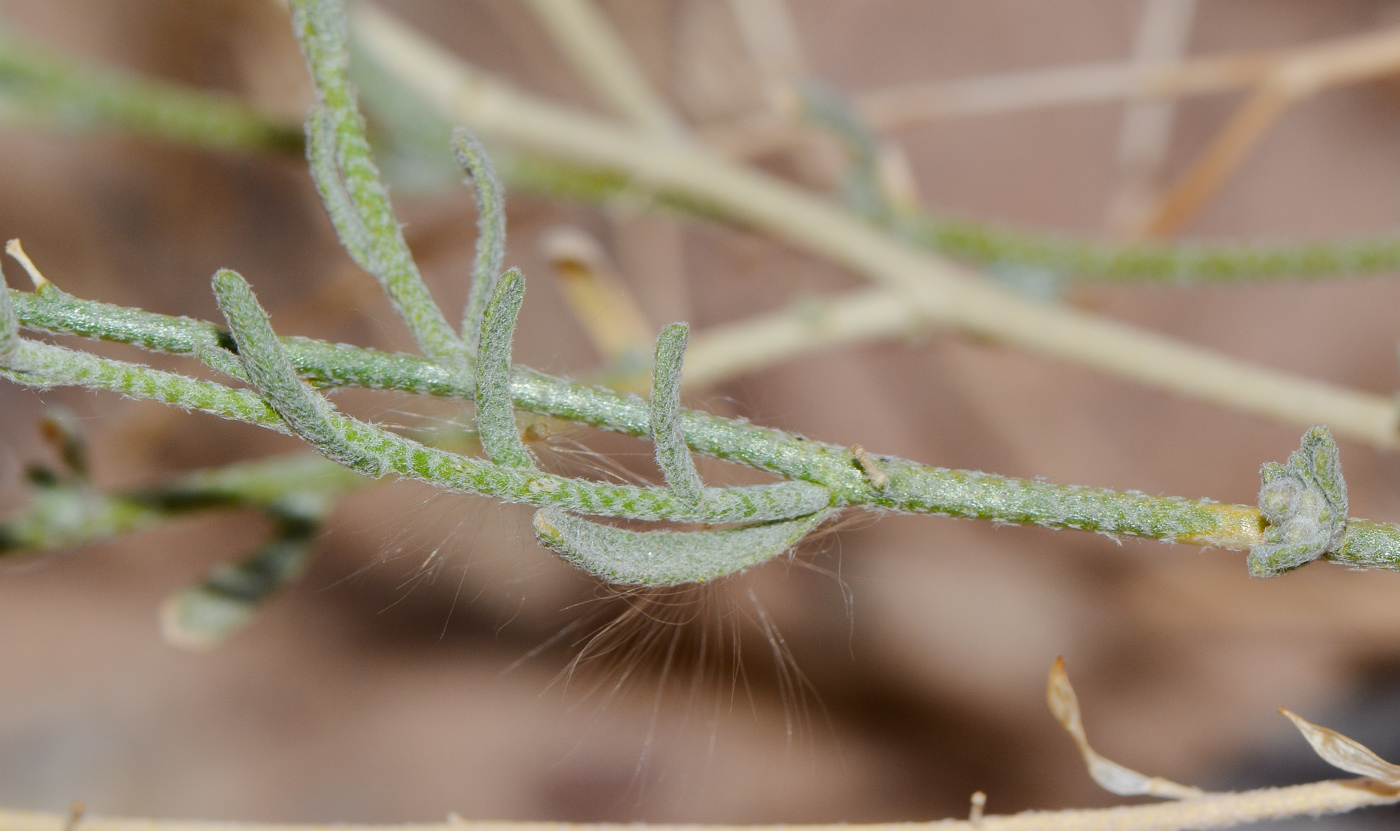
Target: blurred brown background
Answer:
[[419, 667]]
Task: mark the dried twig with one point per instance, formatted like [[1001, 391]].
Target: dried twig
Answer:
[[596, 50], [1341, 61], [1147, 123], [1220, 159], [1291, 79], [945, 293], [1220, 811]]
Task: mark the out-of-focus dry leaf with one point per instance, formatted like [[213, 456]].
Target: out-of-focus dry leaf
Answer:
[[1341, 752], [600, 300], [1109, 775]]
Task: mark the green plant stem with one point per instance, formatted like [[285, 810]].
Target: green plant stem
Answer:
[[495, 406], [48, 366], [66, 93], [61, 92], [911, 487], [55, 312], [1180, 263], [945, 292], [42, 365], [490, 230], [65, 515], [832, 476]]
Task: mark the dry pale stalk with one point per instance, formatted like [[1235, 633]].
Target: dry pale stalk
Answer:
[[597, 296], [1217, 811], [596, 50], [1290, 80], [1218, 161], [807, 325], [1341, 61], [943, 292], [1145, 134], [770, 39]]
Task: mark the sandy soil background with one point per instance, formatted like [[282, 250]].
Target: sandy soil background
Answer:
[[913, 650]]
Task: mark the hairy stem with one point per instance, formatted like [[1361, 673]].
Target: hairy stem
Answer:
[[320, 29], [495, 406], [491, 230], [911, 487]]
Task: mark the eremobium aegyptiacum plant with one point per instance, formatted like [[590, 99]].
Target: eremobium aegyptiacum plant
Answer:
[[682, 531]]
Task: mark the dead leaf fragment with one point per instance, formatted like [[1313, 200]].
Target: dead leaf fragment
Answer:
[[1344, 753], [1109, 775]]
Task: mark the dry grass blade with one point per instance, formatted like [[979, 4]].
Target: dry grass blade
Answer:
[[808, 325], [911, 104], [1110, 775]]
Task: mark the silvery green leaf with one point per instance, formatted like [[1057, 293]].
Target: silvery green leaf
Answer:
[[672, 455], [491, 230], [495, 407], [666, 558]]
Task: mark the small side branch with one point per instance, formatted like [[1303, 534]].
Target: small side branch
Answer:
[[491, 231], [57, 91], [357, 191]]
